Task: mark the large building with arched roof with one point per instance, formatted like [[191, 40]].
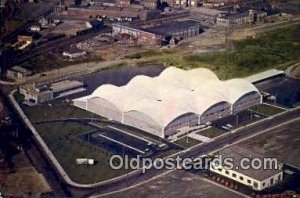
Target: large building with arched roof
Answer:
[[176, 98]]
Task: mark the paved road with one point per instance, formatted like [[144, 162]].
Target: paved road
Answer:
[[37, 157], [137, 176], [223, 141]]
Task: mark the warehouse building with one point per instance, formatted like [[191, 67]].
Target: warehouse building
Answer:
[[205, 15], [96, 11], [173, 100], [140, 34], [256, 178], [183, 29], [250, 16], [160, 33], [35, 94], [218, 3], [77, 27]]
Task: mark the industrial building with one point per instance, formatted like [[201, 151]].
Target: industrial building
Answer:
[[218, 3], [257, 179], [35, 94], [160, 33], [74, 27], [250, 16], [175, 99], [205, 15], [95, 11]]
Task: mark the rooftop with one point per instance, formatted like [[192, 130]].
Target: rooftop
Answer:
[[237, 153], [71, 27], [263, 75], [207, 11], [173, 27], [66, 84], [242, 14]]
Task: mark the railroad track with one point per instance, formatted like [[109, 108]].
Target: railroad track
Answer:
[[61, 42]]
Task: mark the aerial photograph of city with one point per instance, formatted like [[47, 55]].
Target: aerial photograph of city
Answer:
[[150, 98]]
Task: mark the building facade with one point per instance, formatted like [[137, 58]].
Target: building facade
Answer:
[[256, 178], [35, 94]]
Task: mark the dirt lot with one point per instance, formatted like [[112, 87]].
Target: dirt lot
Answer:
[[24, 180], [177, 184], [282, 143]]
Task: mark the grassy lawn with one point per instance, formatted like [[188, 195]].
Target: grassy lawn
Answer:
[[44, 112], [46, 62], [212, 132], [267, 109], [151, 53], [187, 142], [275, 49], [59, 138]]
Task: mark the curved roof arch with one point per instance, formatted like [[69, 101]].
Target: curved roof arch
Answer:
[[173, 93], [110, 93], [106, 102], [203, 73], [237, 88], [163, 112], [105, 90]]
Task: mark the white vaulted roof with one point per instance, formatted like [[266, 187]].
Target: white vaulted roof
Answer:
[[173, 93], [237, 88]]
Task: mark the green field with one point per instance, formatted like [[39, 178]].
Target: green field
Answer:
[[61, 139], [187, 142], [275, 49], [267, 109], [212, 132], [46, 62], [151, 53], [44, 112]]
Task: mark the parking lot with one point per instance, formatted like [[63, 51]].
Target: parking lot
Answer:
[[178, 184]]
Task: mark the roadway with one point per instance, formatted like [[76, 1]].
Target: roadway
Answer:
[[234, 137], [35, 155], [138, 176]]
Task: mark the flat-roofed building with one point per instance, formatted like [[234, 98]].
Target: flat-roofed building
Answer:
[[218, 3], [205, 15], [183, 29], [159, 33], [250, 16], [257, 178], [96, 11], [35, 94]]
